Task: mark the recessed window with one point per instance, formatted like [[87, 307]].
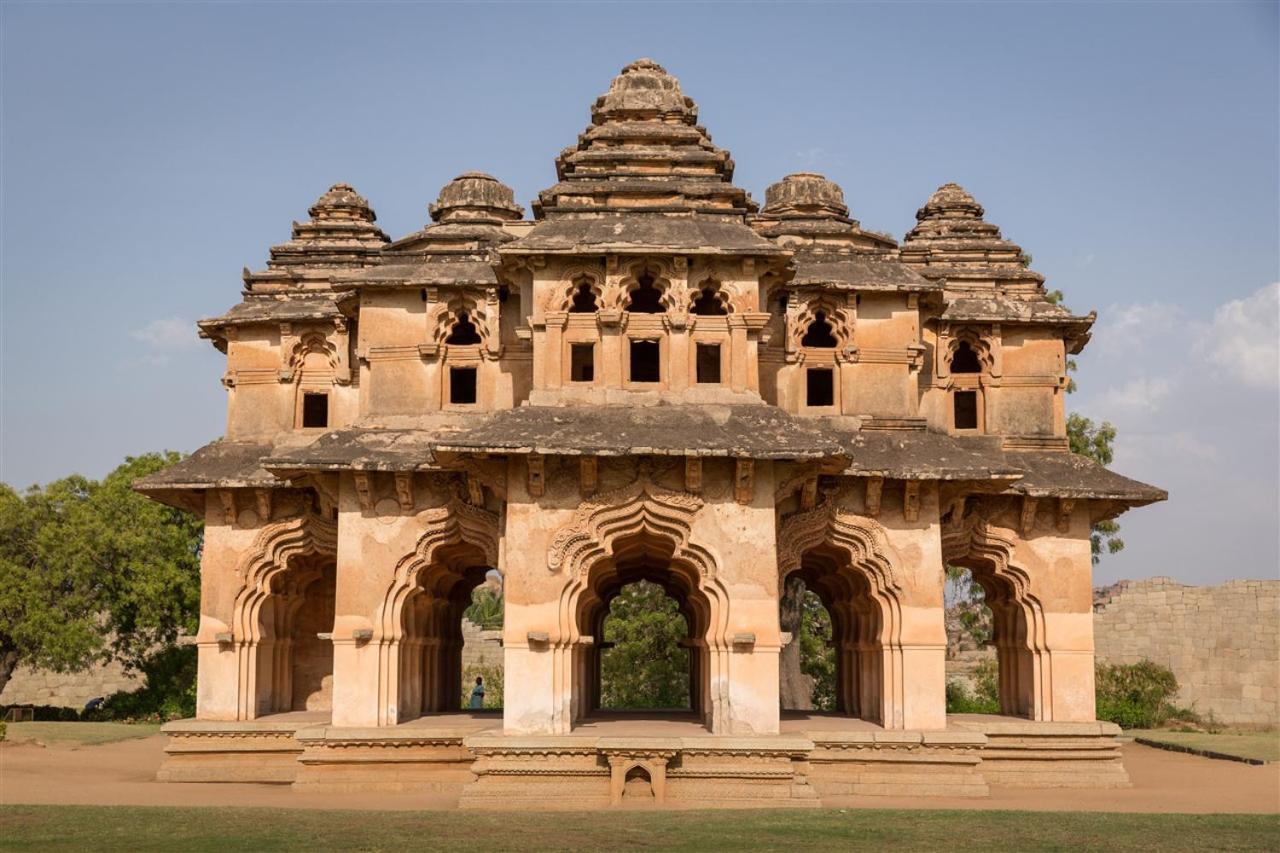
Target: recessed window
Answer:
[[965, 360], [820, 334], [463, 332], [708, 364], [315, 411], [462, 385], [584, 300], [966, 409], [820, 387], [646, 298], [582, 362], [708, 303], [644, 361]]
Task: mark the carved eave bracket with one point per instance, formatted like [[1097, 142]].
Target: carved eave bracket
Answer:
[[1027, 519], [911, 501], [364, 490], [744, 481], [537, 474], [588, 475], [875, 490], [693, 474], [404, 491]]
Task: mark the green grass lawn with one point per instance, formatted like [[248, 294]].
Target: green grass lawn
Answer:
[[222, 830], [1264, 746], [79, 734]]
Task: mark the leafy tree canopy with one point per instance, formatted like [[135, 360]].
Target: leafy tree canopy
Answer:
[[90, 570], [646, 667]]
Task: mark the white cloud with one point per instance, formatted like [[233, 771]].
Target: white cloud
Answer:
[[168, 334], [1140, 394], [1127, 329], [1243, 340]]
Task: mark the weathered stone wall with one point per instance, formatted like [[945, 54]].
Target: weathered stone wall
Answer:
[[480, 647], [67, 690], [1222, 642]]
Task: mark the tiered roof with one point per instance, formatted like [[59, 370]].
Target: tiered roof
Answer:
[[986, 277], [297, 284], [644, 176], [807, 213], [458, 248]]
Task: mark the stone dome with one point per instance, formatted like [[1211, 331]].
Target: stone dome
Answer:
[[806, 193], [643, 89], [341, 201], [476, 196], [950, 201]]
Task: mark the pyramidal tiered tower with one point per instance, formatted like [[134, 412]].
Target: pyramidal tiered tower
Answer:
[[653, 379]]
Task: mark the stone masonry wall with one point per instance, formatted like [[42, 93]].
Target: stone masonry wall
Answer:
[[1222, 642], [30, 686], [480, 647]]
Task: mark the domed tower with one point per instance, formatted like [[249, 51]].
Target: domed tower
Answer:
[[288, 344], [844, 339], [641, 266], [446, 271], [999, 343]]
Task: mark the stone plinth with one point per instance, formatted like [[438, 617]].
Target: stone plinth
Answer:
[[1048, 755]]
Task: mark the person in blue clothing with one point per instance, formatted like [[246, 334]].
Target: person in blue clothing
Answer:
[[477, 694]]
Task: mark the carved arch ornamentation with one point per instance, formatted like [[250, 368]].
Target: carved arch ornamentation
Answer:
[[723, 294], [670, 299], [573, 278], [444, 315], [308, 343], [457, 527], [836, 315], [980, 344], [641, 515], [971, 540], [263, 569]]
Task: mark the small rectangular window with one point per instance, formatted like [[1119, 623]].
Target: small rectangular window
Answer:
[[315, 411], [821, 390], [966, 409], [582, 362], [645, 360], [462, 385], [708, 364]]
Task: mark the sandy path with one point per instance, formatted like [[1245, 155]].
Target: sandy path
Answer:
[[124, 774]]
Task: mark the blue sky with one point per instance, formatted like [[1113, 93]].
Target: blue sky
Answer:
[[150, 151]]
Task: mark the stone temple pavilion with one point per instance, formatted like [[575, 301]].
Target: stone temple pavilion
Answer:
[[653, 378]]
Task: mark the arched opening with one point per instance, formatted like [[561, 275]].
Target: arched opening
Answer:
[[991, 663], [294, 652], [637, 785], [645, 297], [644, 651], [820, 334], [709, 302], [807, 665], [463, 332], [856, 634], [584, 299], [965, 360], [432, 675], [680, 626]]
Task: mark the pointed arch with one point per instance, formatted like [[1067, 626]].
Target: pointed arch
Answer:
[[641, 524], [274, 578], [819, 311], [848, 561], [457, 540], [1026, 678]]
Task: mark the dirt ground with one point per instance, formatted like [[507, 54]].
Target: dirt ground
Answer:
[[124, 774]]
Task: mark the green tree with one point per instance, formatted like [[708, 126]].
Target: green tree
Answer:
[[1096, 442], [486, 608], [92, 571], [646, 667], [817, 658]]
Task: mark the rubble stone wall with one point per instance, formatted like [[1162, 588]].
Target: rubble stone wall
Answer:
[[1222, 642], [480, 647], [30, 686]]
